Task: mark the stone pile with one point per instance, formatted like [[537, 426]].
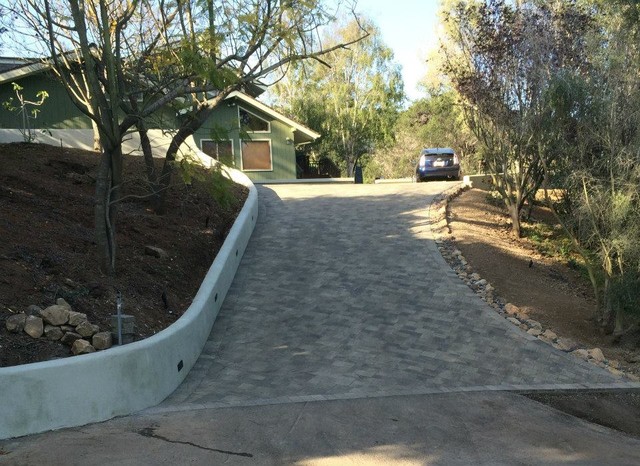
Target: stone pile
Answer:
[[60, 323], [515, 315]]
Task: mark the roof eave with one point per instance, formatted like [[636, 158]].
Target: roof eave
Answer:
[[277, 115], [23, 72]]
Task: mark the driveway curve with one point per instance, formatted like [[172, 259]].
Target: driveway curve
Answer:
[[342, 293]]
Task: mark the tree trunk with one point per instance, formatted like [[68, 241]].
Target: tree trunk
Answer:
[[97, 146], [514, 213], [150, 166], [104, 216], [108, 188], [618, 328], [186, 130], [351, 167]]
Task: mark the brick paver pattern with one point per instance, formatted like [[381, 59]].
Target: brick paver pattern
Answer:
[[342, 293]]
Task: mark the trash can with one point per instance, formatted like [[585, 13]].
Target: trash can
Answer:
[[358, 175]]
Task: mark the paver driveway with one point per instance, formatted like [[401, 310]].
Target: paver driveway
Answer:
[[343, 294]]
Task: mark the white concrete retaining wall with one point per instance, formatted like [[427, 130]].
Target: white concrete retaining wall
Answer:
[[307, 181], [479, 181], [82, 389], [394, 180]]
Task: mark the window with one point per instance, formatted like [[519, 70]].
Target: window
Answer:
[[256, 155], [252, 123], [222, 151]]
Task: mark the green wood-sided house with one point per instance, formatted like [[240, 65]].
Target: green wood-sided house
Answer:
[[242, 133]]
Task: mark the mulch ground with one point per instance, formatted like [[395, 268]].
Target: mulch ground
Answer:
[[48, 248], [551, 292]]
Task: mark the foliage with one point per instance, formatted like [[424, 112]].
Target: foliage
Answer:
[[595, 126], [500, 58], [551, 91], [217, 184], [25, 108], [122, 62], [352, 97], [435, 121]]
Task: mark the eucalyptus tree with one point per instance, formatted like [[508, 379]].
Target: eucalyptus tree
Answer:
[[352, 96], [123, 61]]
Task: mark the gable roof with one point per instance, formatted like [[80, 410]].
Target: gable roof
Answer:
[[16, 68], [303, 134]]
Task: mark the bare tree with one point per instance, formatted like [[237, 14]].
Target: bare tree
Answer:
[[501, 58], [123, 61]]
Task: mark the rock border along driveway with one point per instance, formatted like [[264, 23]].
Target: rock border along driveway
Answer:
[[342, 293]]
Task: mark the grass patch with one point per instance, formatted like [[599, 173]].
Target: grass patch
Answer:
[[551, 241]]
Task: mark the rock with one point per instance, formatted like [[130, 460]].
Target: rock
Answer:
[[513, 320], [475, 276], [567, 345], [76, 318], [155, 252], [534, 324], [71, 283], [581, 353], [34, 310], [511, 309], [550, 335], [63, 303], [489, 288], [482, 282], [52, 332], [15, 323], [633, 377], [548, 341], [67, 328], [102, 340], [81, 346], [534, 331], [614, 371], [596, 354], [55, 315], [34, 326], [613, 363], [87, 329], [69, 337]]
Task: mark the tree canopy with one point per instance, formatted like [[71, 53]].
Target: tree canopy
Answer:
[[352, 96], [122, 61]]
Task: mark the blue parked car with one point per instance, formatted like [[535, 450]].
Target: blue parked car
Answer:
[[438, 162]]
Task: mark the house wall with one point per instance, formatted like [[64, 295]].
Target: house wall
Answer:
[[67, 126], [223, 124], [57, 111]]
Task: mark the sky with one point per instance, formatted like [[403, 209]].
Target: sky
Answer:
[[408, 27]]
